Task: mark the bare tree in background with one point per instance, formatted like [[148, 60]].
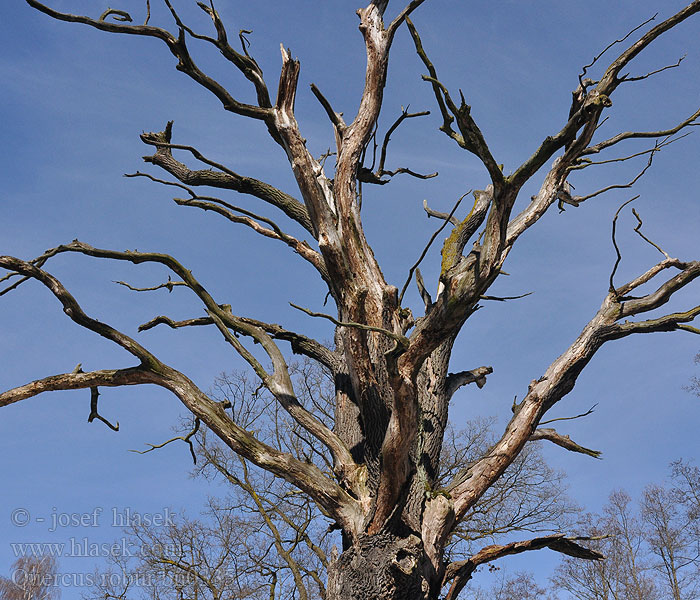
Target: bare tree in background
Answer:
[[695, 385], [520, 586], [626, 571], [652, 553], [32, 578], [390, 369], [672, 526]]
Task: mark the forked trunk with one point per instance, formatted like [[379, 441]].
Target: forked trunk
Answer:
[[395, 563]]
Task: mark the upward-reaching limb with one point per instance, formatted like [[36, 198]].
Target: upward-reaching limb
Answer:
[[472, 274]]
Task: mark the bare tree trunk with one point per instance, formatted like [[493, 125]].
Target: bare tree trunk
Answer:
[[386, 566]]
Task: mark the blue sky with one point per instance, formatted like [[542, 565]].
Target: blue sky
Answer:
[[73, 105]]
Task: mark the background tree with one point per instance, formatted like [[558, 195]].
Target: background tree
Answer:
[[695, 385], [652, 552], [626, 572], [520, 586], [32, 578], [390, 370], [671, 519]]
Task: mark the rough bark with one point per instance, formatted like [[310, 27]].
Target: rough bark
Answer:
[[382, 565]]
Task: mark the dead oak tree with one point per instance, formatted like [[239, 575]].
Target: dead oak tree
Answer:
[[393, 386]]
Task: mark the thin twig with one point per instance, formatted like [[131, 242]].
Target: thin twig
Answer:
[[387, 137], [645, 238], [618, 186], [249, 219], [162, 319], [563, 441], [192, 150], [586, 162], [403, 16], [335, 117], [181, 25], [39, 261], [439, 215], [650, 73], [401, 340], [187, 439], [245, 42], [585, 414], [614, 241], [213, 200], [610, 45], [689, 122], [504, 298], [427, 246], [169, 285], [599, 125], [118, 15]]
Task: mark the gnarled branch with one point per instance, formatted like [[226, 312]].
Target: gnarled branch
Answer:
[[461, 572], [94, 414], [223, 178], [564, 441], [454, 381], [470, 136], [372, 175], [178, 48], [328, 494], [77, 381], [627, 135]]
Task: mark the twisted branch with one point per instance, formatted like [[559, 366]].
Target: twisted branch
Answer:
[[461, 572], [564, 441]]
